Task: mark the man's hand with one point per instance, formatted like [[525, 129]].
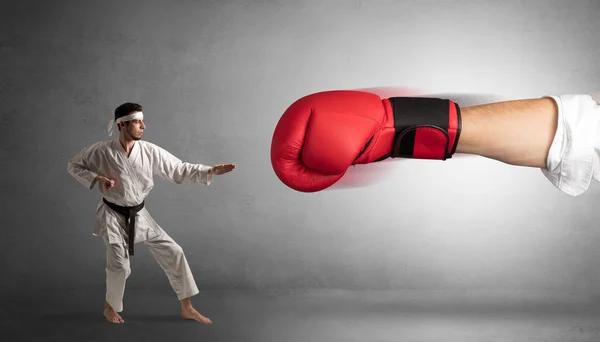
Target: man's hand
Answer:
[[222, 168], [108, 183]]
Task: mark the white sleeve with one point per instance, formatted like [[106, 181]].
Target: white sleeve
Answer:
[[173, 169], [79, 168], [575, 150]]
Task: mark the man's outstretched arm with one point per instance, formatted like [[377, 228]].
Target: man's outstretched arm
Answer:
[[170, 167]]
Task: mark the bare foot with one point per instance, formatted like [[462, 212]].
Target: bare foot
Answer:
[[111, 315], [191, 313]]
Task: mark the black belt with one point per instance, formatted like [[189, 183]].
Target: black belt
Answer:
[[129, 213]]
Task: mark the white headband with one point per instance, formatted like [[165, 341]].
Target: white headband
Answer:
[[132, 116]]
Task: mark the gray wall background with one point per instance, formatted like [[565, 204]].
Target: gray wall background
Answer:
[[214, 78]]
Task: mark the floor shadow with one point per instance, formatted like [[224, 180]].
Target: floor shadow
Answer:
[[74, 317], [97, 317], [152, 318]]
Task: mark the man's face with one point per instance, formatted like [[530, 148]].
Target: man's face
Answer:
[[134, 129]]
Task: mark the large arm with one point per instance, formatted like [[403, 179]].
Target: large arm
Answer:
[[558, 134], [320, 135], [514, 132], [522, 132]]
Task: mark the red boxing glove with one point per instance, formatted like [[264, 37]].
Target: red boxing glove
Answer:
[[320, 135]]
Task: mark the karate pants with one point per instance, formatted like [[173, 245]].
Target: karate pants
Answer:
[[166, 252]]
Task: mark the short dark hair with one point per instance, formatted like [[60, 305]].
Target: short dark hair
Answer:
[[126, 109]]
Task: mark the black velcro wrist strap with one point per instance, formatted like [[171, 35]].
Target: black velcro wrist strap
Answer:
[[426, 128]]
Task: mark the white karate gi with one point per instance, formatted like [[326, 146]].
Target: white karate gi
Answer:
[[574, 156], [133, 178]]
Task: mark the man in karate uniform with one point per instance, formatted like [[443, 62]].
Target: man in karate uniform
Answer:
[[124, 170]]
